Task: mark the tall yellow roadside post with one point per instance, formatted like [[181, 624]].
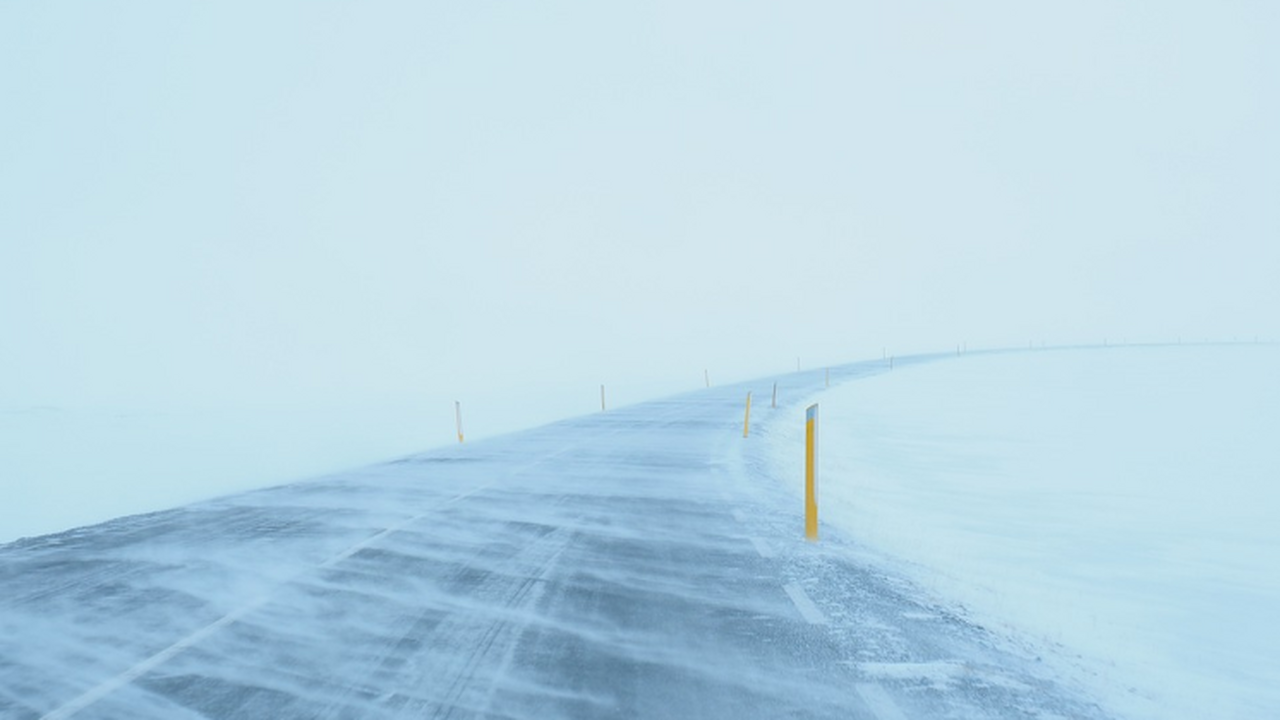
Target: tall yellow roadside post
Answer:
[[746, 419], [811, 473], [457, 409]]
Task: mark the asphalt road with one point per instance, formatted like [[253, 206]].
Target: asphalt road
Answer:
[[638, 563]]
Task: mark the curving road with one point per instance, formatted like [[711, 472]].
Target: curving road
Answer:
[[631, 564]]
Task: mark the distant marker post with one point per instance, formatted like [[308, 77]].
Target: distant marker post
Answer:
[[811, 473], [746, 419], [457, 410], [602, 398], [774, 402]]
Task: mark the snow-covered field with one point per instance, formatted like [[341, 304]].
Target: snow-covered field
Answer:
[[64, 467], [1117, 507]]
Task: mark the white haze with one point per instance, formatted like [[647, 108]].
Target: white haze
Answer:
[[255, 210]]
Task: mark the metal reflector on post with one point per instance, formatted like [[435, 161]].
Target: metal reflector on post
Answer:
[[811, 473]]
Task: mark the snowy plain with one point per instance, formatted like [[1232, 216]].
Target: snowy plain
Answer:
[[1115, 506], [68, 466]]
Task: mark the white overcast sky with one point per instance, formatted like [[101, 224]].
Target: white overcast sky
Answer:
[[235, 201]]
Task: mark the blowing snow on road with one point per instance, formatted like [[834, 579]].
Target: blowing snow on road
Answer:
[[635, 563]]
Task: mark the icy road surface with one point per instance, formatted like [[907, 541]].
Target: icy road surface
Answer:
[[636, 563]]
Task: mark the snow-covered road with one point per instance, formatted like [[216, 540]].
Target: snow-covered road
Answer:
[[635, 563]]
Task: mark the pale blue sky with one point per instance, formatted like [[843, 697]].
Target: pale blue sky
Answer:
[[217, 202]]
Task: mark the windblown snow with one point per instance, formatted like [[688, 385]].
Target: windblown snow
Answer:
[[1117, 506]]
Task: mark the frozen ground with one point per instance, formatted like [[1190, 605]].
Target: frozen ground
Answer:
[[1115, 506], [638, 563]]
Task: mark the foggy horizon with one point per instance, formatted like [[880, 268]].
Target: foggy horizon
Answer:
[[332, 204]]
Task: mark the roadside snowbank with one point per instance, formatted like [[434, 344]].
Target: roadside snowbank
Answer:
[[1116, 505]]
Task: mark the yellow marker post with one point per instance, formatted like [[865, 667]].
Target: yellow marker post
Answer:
[[457, 409], [774, 403], [811, 473], [601, 398], [746, 420]]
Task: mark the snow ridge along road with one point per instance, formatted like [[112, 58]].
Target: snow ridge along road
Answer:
[[637, 563]]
